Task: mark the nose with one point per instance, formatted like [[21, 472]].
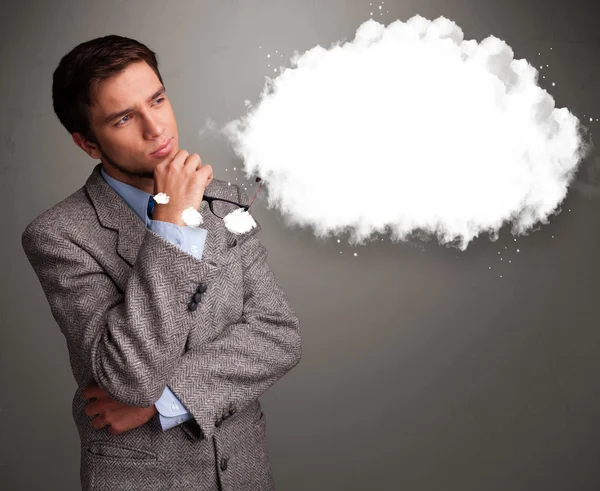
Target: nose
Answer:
[[152, 126]]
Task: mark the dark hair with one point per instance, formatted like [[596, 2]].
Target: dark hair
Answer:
[[80, 72]]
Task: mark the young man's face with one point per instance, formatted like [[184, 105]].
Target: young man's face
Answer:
[[126, 140]]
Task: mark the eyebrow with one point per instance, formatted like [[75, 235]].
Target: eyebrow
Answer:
[[120, 114]]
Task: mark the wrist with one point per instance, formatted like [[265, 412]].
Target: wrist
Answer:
[[168, 216]]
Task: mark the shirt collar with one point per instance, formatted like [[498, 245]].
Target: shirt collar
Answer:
[[134, 197]]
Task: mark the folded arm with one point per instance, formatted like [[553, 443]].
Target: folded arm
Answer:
[[248, 357], [129, 342], [170, 409]]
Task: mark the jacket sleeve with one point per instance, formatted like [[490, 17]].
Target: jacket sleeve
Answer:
[[128, 341], [170, 409], [224, 375]]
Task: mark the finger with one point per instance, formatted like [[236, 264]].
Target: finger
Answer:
[[99, 422], [207, 173], [114, 431], [193, 162], [92, 391], [179, 158], [102, 406], [92, 408], [125, 418]]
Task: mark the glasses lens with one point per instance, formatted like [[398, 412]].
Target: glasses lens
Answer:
[[223, 208]]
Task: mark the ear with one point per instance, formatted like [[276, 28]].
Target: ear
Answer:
[[90, 148]]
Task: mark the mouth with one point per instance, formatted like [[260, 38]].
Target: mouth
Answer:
[[163, 148]]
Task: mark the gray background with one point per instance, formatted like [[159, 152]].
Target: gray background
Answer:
[[422, 368]]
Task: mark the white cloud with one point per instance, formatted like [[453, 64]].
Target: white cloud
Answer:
[[408, 129]]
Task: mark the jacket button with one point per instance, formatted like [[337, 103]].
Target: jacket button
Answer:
[[218, 422], [193, 306], [202, 287], [197, 297], [223, 464]]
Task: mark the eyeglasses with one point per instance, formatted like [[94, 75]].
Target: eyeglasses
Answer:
[[223, 207]]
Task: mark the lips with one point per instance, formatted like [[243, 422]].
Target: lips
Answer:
[[162, 146]]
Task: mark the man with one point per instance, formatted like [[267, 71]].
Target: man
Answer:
[[173, 331]]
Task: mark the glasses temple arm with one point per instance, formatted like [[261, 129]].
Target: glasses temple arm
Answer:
[[255, 195]]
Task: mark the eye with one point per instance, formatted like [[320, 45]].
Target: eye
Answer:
[[118, 123], [123, 120]]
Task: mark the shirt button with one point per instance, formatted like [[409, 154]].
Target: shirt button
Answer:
[[180, 420], [175, 407], [194, 249]]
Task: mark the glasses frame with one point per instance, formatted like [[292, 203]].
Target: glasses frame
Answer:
[[211, 199]]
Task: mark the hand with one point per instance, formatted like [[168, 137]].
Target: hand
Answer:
[[184, 180], [120, 417]]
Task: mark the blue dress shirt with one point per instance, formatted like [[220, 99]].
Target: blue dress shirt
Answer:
[[191, 240]]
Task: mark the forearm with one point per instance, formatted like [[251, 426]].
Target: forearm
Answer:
[[146, 334], [247, 357], [235, 369], [129, 341], [191, 240]]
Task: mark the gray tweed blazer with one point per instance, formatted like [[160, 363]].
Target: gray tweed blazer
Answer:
[[121, 296]]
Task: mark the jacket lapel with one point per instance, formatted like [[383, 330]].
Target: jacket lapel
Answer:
[[114, 213]]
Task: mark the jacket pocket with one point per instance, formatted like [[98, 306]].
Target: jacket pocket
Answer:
[[110, 451], [113, 466]]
